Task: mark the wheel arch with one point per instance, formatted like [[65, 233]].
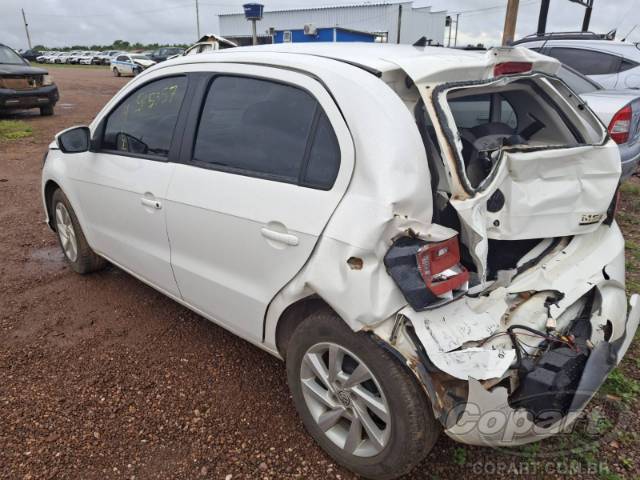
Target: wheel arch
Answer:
[[291, 318], [49, 188]]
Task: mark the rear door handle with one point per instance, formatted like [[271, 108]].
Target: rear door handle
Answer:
[[151, 202], [285, 238]]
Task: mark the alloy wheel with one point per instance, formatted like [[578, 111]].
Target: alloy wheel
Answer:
[[345, 399], [66, 232]]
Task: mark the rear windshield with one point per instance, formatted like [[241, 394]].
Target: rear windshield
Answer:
[[525, 113]]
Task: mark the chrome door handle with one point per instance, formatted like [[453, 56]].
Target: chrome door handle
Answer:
[[285, 238], [150, 202]]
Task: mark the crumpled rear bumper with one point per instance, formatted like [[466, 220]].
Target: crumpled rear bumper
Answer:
[[488, 419], [471, 376]]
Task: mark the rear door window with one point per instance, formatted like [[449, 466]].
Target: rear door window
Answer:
[[587, 62], [266, 129]]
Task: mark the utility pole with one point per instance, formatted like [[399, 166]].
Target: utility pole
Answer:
[[399, 22], [197, 20], [455, 37], [26, 27], [542, 18], [510, 21]]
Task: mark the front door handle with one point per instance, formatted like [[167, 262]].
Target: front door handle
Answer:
[[285, 238], [151, 202]]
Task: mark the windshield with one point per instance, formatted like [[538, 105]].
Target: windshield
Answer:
[[576, 81], [9, 56]]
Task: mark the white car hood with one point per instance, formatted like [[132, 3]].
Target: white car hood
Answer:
[[144, 63]]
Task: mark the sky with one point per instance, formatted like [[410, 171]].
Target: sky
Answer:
[[86, 22]]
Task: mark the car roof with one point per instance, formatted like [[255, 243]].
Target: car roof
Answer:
[[629, 50], [379, 57]]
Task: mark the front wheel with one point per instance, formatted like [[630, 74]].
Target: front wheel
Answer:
[[46, 111], [74, 245], [356, 400]]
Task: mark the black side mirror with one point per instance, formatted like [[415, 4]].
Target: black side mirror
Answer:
[[74, 140]]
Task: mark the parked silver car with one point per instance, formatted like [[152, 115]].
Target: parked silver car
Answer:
[[619, 110], [613, 64]]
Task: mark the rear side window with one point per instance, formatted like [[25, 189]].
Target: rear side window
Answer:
[[266, 129], [627, 65], [587, 62], [472, 111], [143, 124]]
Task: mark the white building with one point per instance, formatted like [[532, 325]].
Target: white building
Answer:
[[386, 18]]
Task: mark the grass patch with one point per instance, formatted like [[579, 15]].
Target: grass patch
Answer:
[[14, 129], [459, 456], [619, 385], [630, 188]]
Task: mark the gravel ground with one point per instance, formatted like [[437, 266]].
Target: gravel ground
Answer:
[[102, 377]]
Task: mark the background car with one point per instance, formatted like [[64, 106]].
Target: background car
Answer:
[[130, 64], [89, 58], [31, 55], [54, 57], [208, 43], [66, 56], [619, 110], [161, 54], [613, 64], [23, 86]]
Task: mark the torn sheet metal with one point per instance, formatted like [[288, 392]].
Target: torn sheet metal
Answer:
[[569, 273], [474, 362], [578, 181], [489, 419], [444, 330]]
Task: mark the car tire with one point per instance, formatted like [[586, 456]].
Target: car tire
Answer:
[[72, 241], [116, 72], [136, 72], [46, 111], [406, 427]]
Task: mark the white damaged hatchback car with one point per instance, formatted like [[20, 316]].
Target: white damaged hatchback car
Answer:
[[424, 235]]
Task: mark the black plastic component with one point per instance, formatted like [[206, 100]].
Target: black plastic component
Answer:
[[401, 264], [551, 384], [496, 201], [505, 254]]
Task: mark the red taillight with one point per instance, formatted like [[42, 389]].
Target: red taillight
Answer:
[[439, 265], [511, 68], [620, 125]]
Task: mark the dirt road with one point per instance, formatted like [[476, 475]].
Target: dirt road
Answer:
[[102, 377]]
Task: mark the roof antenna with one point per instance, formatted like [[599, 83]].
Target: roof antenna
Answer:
[[630, 32], [421, 42]]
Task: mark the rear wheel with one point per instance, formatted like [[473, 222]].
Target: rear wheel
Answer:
[[116, 72], [356, 400], [72, 241]]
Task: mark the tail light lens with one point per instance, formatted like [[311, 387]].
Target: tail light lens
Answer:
[[439, 265], [620, 125], [511, 68]]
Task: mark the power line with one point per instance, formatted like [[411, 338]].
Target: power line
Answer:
[[494, 7]]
